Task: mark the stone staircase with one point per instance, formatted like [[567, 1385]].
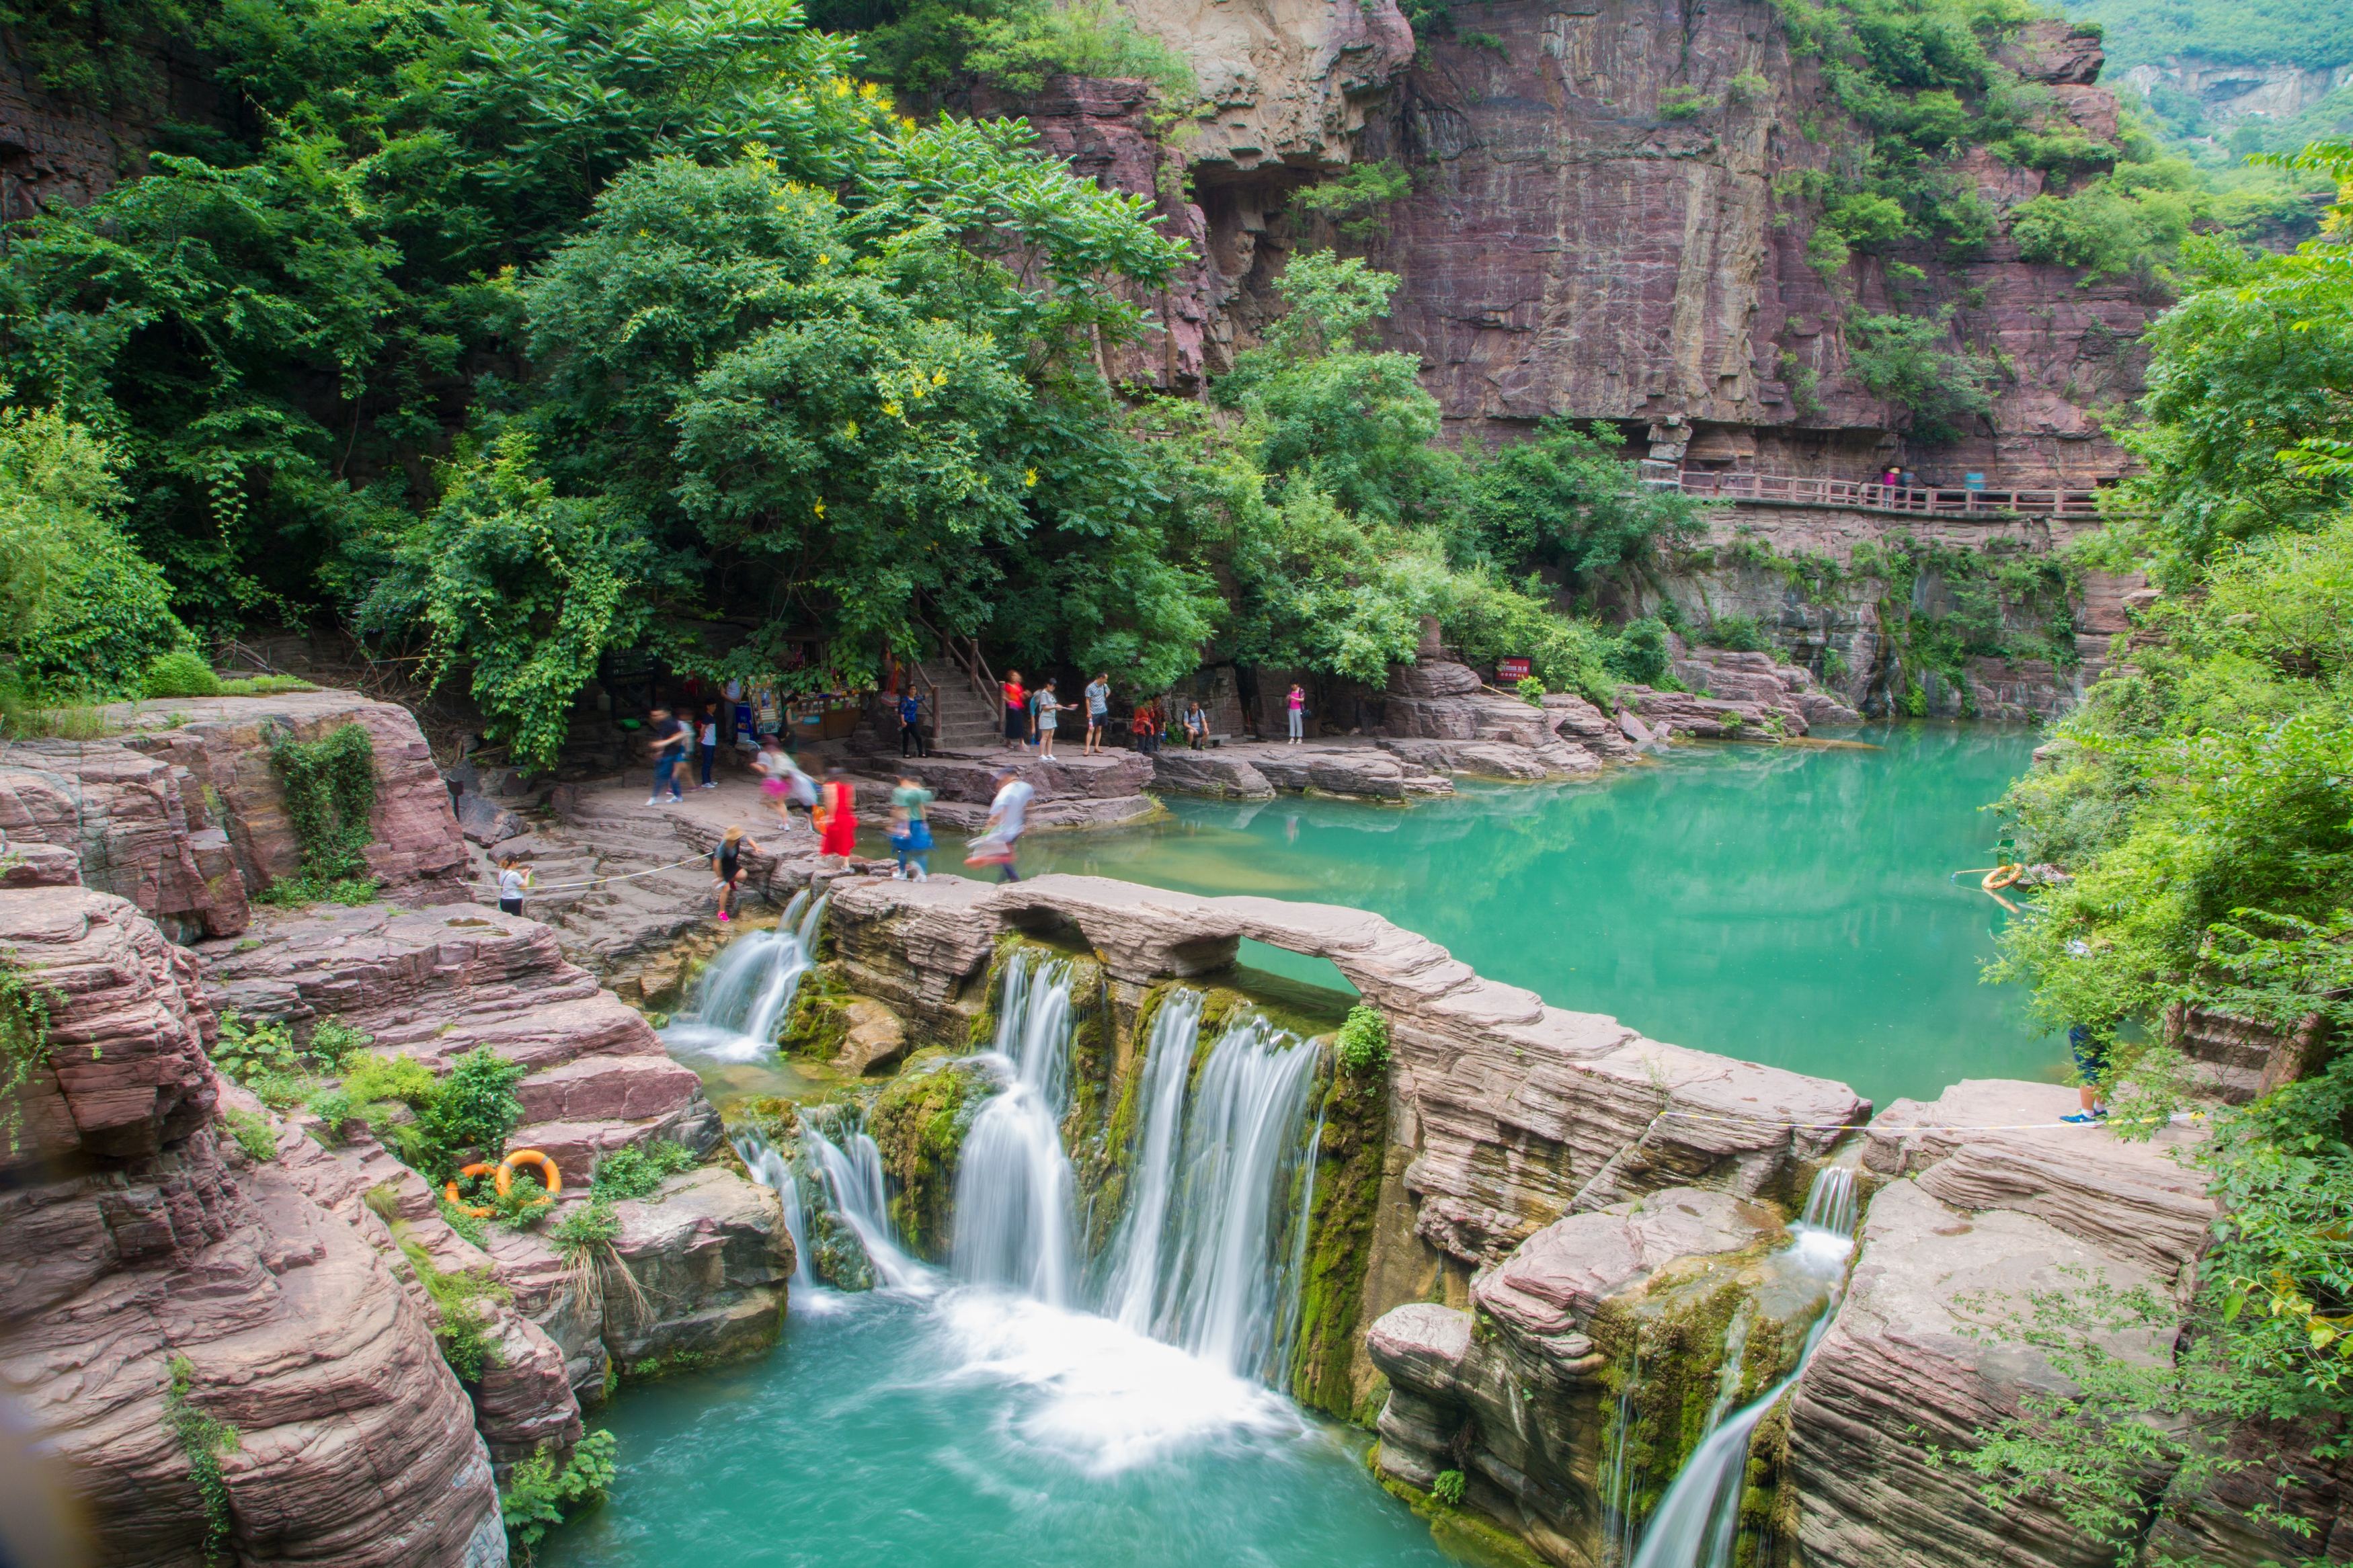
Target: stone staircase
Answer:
[[968, 721]]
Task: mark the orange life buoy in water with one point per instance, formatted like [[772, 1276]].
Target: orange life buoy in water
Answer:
[[477, 1169], [546, 1167], [2002, 876]]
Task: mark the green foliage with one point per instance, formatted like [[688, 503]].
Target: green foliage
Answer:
[[588, 1228], [2250, 378], [24, 1045], [1641, 653], [1448, 1488], [1364, 1042], [1531, 690], [636, 1171], [253, 1134], [1355, 202], [1683, 101], [79, 610], [261, 1057], [2307, 33], [1739, 633], [1024, 44], [2133, 221], [328, 788], [537, 1495], [466, 1224], [1909, 360], [202, 1439], [462, 1321], [182, 672], [472, 1109], [1566, 500]]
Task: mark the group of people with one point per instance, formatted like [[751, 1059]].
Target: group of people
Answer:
[[1034, 718]]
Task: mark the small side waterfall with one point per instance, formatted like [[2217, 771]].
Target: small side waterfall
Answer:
[[805, 926], [851, 1171], [1698, 1521], [740, 999], [1201, 1260], [771, 1170], [1013, 1224]]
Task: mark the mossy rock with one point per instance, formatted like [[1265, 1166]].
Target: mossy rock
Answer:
[[919, 1123], [1348, 1160], [817, 1023]]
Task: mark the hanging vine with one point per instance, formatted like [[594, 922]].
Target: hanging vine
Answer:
[[329, 785], [203, 1439], [24, 1045]]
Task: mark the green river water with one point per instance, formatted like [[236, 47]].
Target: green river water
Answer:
[[1791, 906]]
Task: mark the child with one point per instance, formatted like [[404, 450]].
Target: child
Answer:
[[911, 833], [727, 864]]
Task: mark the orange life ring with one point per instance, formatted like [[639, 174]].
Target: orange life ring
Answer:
[[477, 1169], [2002, 876], [530, 1157]]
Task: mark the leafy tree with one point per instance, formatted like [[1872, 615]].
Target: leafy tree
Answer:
[[1564, 498]]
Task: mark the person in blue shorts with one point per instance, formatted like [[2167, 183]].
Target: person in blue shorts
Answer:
[[2092, 1067]]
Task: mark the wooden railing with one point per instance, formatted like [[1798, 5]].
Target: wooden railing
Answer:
[[1919, 500]]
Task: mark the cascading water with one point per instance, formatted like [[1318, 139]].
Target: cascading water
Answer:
[[806, 928], [1698, 1521], [1013, 1214], [1133, 1292], [772, 1170], [739, 1001], [852, 1174], [1202, 1264]]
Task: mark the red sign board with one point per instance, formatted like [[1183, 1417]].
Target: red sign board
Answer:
[[1511, 669]]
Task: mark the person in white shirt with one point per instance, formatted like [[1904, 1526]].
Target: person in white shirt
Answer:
[[1007, 819], [706, 737], [512, 881]]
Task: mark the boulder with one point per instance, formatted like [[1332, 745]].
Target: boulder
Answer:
[[710, 1257], [1221, 772], [140, 1238], [222, 744], [139, 827]]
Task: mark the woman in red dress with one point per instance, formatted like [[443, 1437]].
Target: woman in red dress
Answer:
[[1016, 711], [837, 825]]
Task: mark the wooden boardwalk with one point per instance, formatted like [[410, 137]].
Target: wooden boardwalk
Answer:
[[1749, 489]]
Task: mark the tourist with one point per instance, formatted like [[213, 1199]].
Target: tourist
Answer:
[[707, 740], [910, 831], [1888, 477], [910, 723], [2092, 1067], [776, 770], [512, 881], [669, 746], [1098, 696], [727, 865], [1196, 728], [1145, 726], [1045, 706], [835, 818], [1009, 817], [1016, 711], [1295, 706]]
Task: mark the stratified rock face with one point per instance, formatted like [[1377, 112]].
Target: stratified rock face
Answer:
[[1073, 789], [1285, 81], [1439, 714], [1514, 1393], [139, 827], [1993, 1200], [1518, 1112], [223, 742], [435, 984], [136, 1234], [1570, 249]]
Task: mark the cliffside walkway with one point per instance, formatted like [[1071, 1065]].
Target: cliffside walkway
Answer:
[[1749, 489]]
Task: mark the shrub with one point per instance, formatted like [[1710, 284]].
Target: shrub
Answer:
[[375, 1078], [1640, 654], [634, 1172], [1683, 101], [1448, 1488], [253, 1135], [589, 1226], [182, 672], [1531, 690], [1364, 1043], [469, 1225], [202, 1439], [1739, 634], [329, 791], [463, 1329], [333, 1107], [473, 1109], [334, 1042], [538, 1495]]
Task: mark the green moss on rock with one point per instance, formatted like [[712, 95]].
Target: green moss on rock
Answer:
[[919, 1123], [1339, 1236]]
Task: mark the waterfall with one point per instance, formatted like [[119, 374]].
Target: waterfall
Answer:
[[807, 928], [1133, 1290], [770, 1168], [1013, 1212], [1698, 1521], [1200, 1262], [1618, 1485], [852, 1174], [738, 1002]]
